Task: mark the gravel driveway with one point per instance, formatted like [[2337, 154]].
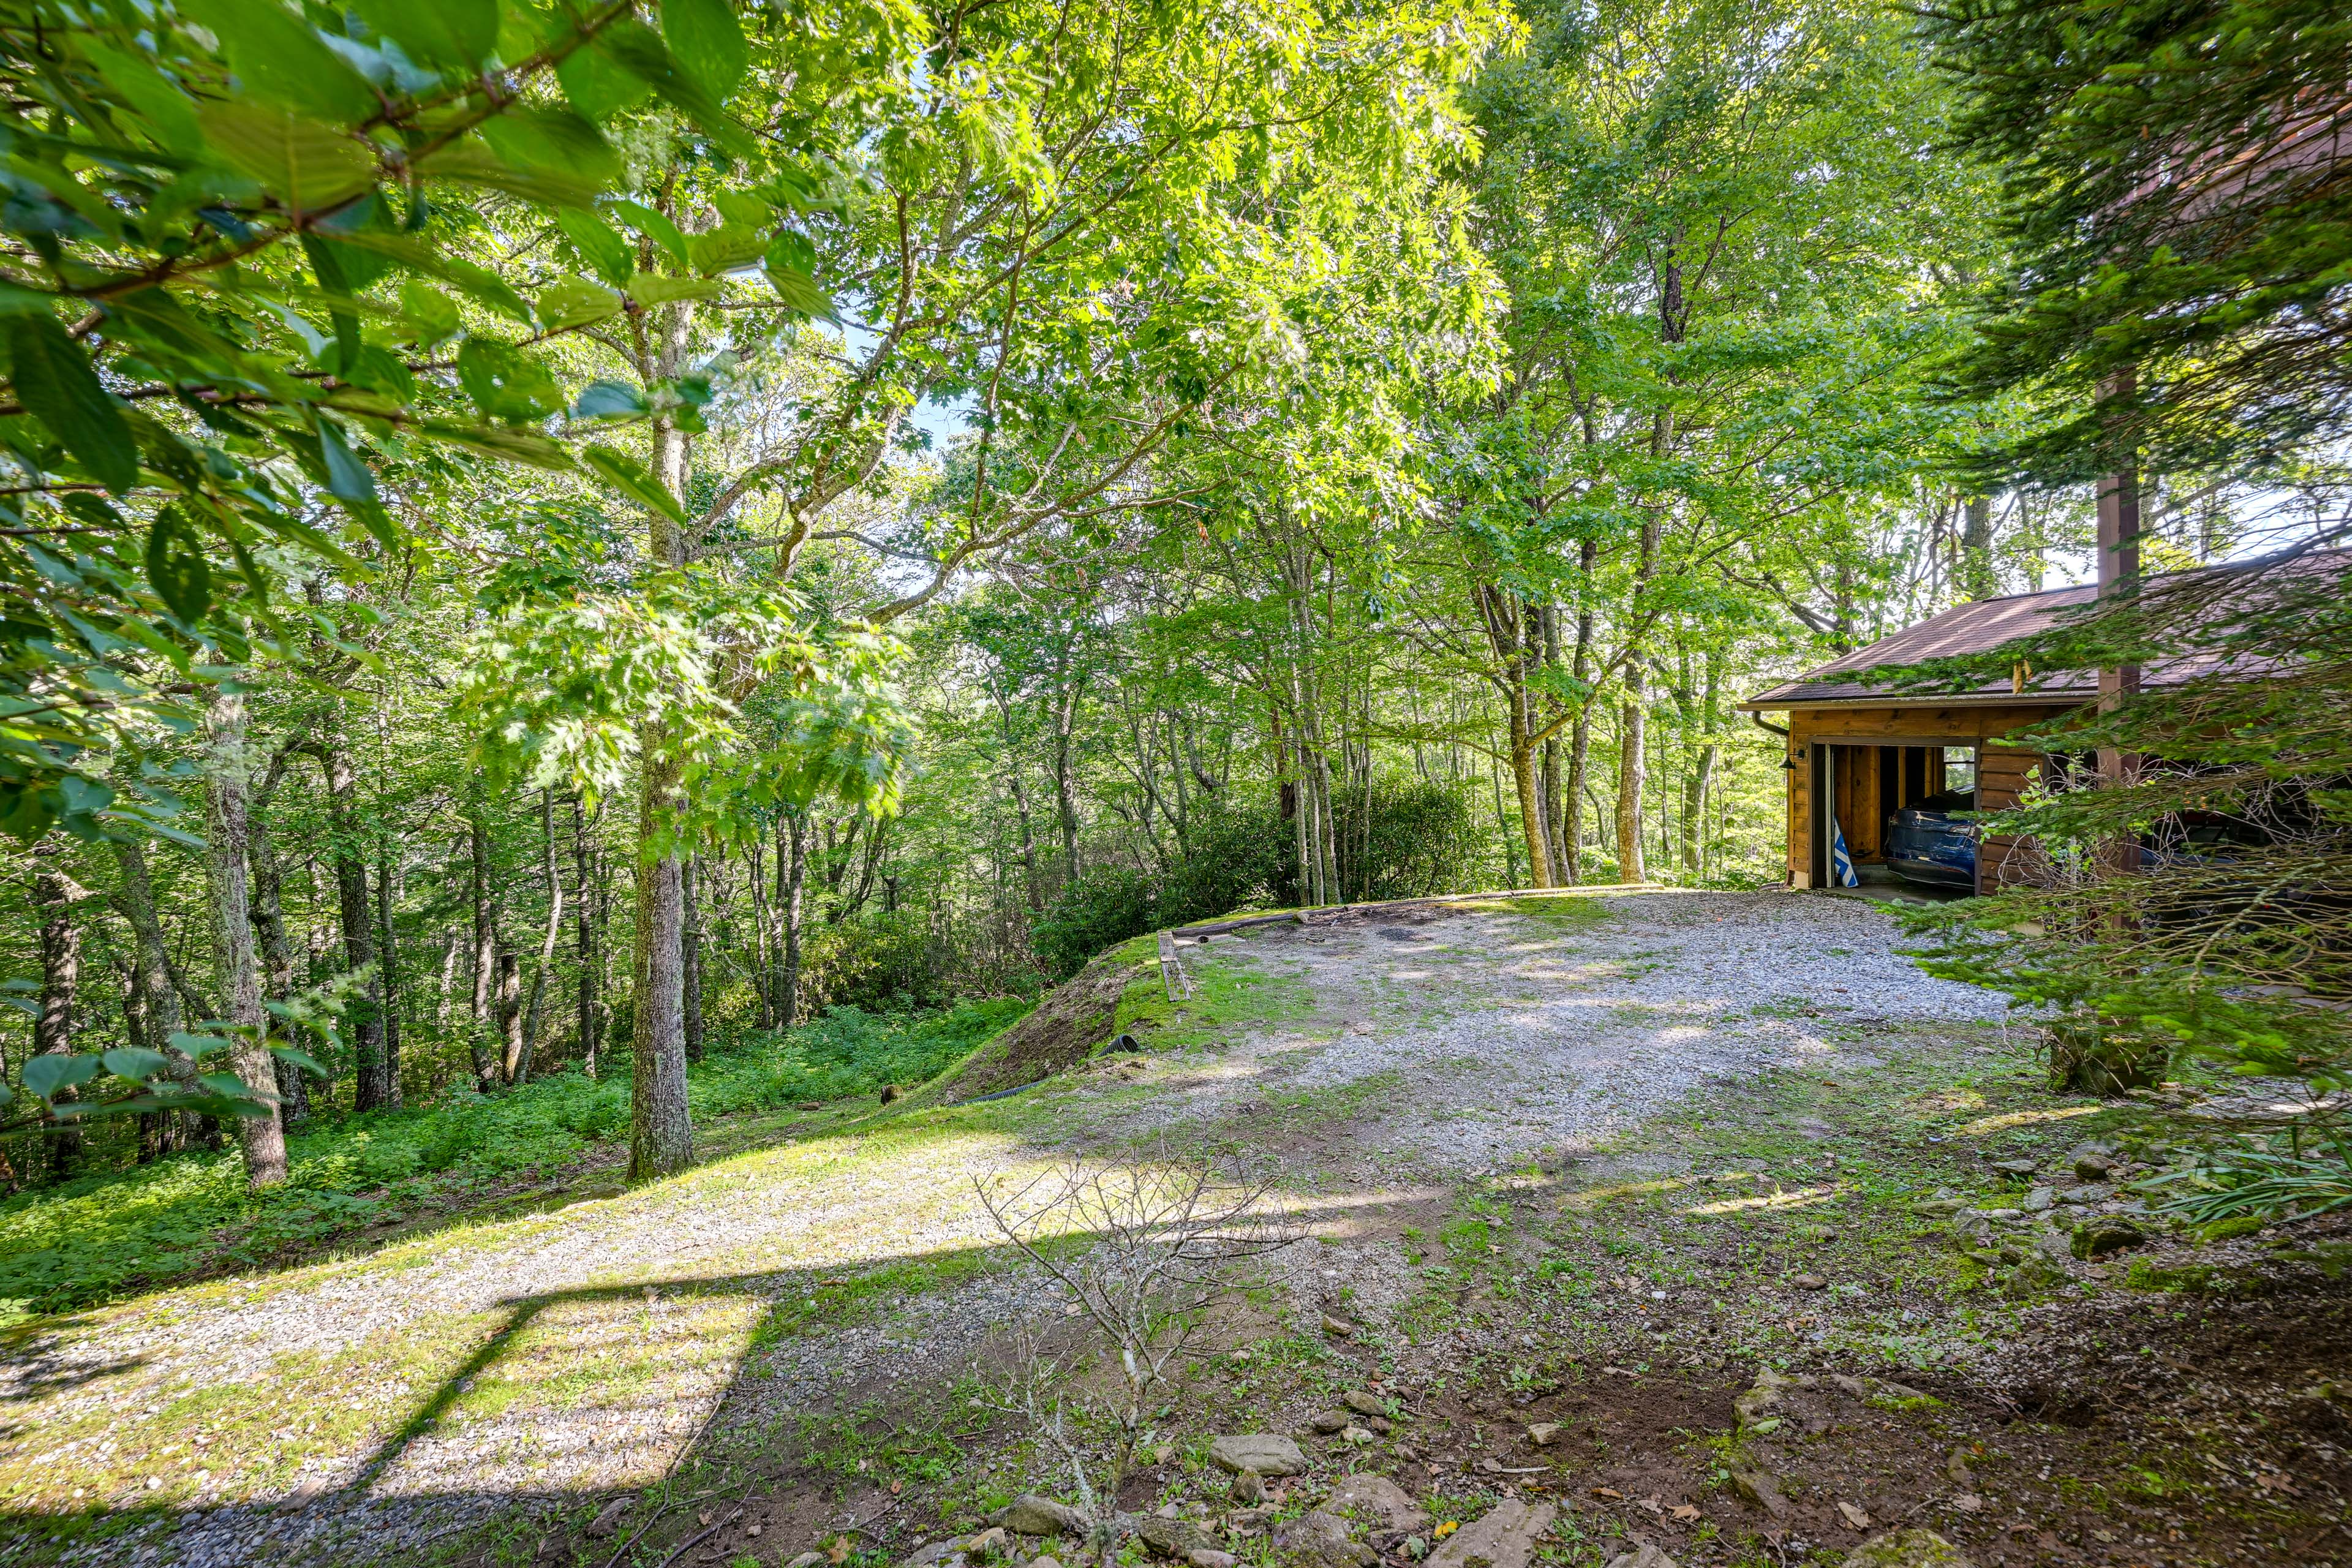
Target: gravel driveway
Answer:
[[357, 1410]]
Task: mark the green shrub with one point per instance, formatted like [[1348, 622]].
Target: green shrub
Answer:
[[1239, 859], [1102, 908], [1420, 841]]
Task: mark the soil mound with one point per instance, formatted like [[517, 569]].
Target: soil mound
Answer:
[[1061, 1031]]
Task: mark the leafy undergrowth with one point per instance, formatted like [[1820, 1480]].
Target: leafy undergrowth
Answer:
[[103, 1235]]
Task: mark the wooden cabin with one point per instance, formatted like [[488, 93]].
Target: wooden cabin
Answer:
[[1865, 753], [1858, 753]]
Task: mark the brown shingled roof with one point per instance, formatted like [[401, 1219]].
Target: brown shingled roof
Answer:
[[1978, 627]]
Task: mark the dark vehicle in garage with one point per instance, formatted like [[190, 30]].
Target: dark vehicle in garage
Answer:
[[1930, 843]]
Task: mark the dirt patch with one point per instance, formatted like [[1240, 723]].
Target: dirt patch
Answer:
[[1062, 1030]]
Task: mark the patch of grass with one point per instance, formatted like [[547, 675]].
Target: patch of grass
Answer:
[[110, 1232]]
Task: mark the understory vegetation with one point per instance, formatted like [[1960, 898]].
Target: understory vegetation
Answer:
[[75, 1243]]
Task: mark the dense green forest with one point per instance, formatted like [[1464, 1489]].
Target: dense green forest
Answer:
[[557, 552]]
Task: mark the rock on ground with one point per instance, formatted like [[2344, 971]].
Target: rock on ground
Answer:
[[1908, 1549], [1504, 1537], [1267, 1453]]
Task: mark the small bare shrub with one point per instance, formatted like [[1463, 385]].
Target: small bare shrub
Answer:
[[1160, 1242]]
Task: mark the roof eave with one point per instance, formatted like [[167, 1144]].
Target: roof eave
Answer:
[[1769, 703]]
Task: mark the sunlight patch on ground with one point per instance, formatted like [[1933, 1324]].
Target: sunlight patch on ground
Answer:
[[1985, 1124], [1803, 1198]]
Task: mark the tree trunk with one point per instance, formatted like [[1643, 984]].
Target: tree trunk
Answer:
[[357, 918], [589, 1018], [160, 1001], [530, 1029], [1975, 551], [691, 958], [513, 1061], [1580, 739], [793, 861], [661, 1139], [1066, 806], [54, 893], [226, 770], [1555, 775], [1632, 765], [485, 948], [277, 949], [388, 965]]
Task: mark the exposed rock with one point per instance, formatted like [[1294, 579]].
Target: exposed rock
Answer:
[[1504, 1537], [1030, 1514], [1356, 1435], [1766, 1398], [2041, 1200], [2021, 1169], [608, 1518], [2094, 1162], [989, 1542], [1907, 1549], [937, 1551], [1809, 1282], [1210, 1557], [1267, 1453], [1379, 1498], [1340, 1327], [1648, 1556], [1177, 1538], [1933, 1207], [1759, 1487], [1329, 1421], [1956, 1465], [1364, 1404], [1543, 1434], [1321, 1539], [1249, 1487], [1042, 1561], [2098, 1238], [806, 1560], [1251, 1521]]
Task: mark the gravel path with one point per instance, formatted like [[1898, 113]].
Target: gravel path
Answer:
[[357, 1411]]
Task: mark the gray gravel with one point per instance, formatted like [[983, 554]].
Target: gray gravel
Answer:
[[1454, 1045]]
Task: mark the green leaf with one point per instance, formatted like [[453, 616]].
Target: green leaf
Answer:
[[472, 161], [706, 41], [299, 1058], [610, 400], [599, 87], [653, 227], [800, 293], [431, 315], [635, 47], [556, 140], [176, 567], [724, 249], [227, 1085], [136, 1063], [171, 114], [279, 60], [55, 383], [480, 282], [507, 384], [196, 1047], [649, 289], [628, 476], [441, 34], [46, 1075], [598, 246], [575, 302], [306, 165], [348, 478], [513, 446]]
